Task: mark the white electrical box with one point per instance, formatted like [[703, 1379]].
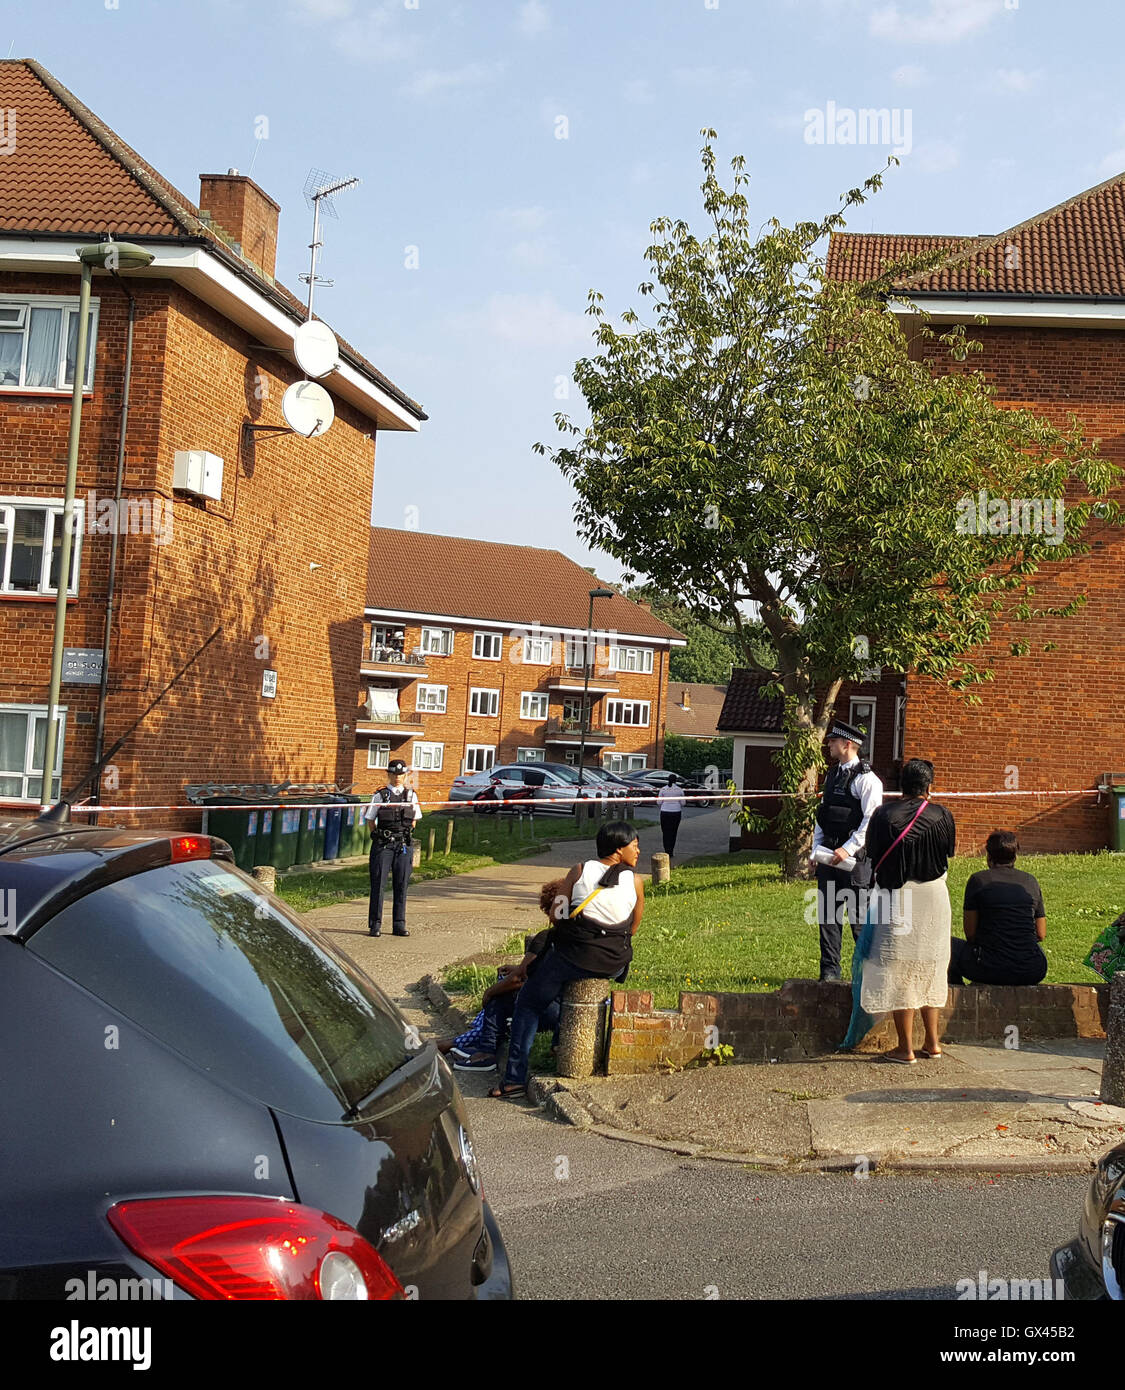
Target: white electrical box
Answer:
[[195, 470]]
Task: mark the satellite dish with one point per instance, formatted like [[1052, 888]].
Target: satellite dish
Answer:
[[308, 409], [316, 349]]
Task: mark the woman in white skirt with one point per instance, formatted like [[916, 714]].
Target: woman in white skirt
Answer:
[[910, 842]]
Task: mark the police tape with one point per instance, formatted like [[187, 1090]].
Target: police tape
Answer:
[[724, 798]]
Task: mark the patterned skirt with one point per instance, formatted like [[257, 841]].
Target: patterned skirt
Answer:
[[908, 964]]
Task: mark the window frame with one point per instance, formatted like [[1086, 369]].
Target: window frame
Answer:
[[489, 748], [900, 728], [647, 656], [32, 713], [619, 704], [420, 708], [541, 755], [418, 746], [868, 746], [491, 638], [377, 746], [540, 697], [447, 641], [53, 509], [69, 304], [537, 642], [494, 693]]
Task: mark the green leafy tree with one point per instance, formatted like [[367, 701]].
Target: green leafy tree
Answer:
[[765, 439], [711, 649]]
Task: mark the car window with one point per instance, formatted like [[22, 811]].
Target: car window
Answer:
[[510, 774], [228, 978], [535, 779]]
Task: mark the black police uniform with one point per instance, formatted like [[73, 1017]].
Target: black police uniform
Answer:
[[839, 815], [392, 855]]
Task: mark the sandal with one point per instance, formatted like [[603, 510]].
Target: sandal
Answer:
[[902, 1061], [930, 1056], [503, 1092]]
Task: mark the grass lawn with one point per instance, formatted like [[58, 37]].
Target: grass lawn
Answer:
[[478, 841], [727, 922]]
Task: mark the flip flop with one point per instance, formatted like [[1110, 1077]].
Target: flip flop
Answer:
[[930, 1056], [902, 1061], [503, 1092]]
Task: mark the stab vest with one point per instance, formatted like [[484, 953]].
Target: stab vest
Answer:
[[394, 820], [840, 814]]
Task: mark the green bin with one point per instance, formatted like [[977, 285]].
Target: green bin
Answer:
[[238, 827], [284, 836], [1117, 817], [351, 827], [263, 850]]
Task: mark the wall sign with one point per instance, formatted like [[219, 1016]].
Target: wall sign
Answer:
[[82, 665], [269, 684]]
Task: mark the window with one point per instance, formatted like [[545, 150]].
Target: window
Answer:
[[625, 762], [427, 757], [430, 699], [382, 705], [627, 712], [538, 651], [437, 641], [479, 757], [571, 756], [861, 715], [31, 546], [631, 659], [572, 709], [900, 726], [576, 651], [388, 642], [23, 741], [484, 702], [38, 341], [531, 755], [487, 646], [378, 754], [533, 705]]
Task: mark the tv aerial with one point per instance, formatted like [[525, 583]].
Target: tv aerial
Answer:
[[320, 189]]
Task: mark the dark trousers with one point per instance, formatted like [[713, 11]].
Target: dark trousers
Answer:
[[964, 962], [670, 828], [532, 1003], [498, 1014], [835, 899], [395, 864]]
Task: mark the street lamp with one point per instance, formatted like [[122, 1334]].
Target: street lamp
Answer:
[[594, 593], [109, 255]]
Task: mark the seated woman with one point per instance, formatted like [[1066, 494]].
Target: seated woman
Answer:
[[1004, 922]]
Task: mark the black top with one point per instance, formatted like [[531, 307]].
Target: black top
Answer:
[[925, 852], [1007, 902]]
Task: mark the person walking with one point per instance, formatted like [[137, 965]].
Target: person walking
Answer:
[[1004, 922], [392, 813], [607, 901], [670, 801], [852, 793], [907, 961]]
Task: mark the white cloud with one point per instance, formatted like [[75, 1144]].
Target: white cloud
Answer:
[[531, 321], [909, 75], [935, 157], [1015, 79], [376, 35], [534, 19], [942, 21], [524, 219], [431, 80]]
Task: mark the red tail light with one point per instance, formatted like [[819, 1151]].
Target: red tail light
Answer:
[[253, 1248], [191, 847]]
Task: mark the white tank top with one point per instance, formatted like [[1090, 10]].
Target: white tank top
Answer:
[[612, 905]]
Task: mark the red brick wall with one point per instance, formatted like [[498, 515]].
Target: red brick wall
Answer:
[[1055, 717], [242, 563], [460, 672]]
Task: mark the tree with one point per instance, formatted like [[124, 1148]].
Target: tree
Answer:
[[766, 439], [711, 648]]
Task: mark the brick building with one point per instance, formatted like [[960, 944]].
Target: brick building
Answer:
[[275, 557], [473, 655], [1053, 292]]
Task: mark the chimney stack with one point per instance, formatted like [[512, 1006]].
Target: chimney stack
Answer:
[[237, 206], [685, 699]]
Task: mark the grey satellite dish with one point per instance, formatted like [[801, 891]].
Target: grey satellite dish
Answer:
[[308, 409], [316, 349]]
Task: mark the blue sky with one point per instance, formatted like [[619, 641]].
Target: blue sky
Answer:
[[450, 111]]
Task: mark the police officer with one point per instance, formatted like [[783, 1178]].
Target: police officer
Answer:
[[392, 813], [851, 794]]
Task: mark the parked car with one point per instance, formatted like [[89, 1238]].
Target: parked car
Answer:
[[1092, 1266], [653, 778], [554, 786], [200, 1089]]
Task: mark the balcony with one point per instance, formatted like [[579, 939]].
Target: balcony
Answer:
[[388, 724], [569, 732], [393, 663], [568, 679]]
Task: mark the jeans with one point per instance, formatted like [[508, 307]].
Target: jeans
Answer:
[[532, 1004]]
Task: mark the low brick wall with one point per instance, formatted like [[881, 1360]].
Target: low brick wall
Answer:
[[808, 1018]]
